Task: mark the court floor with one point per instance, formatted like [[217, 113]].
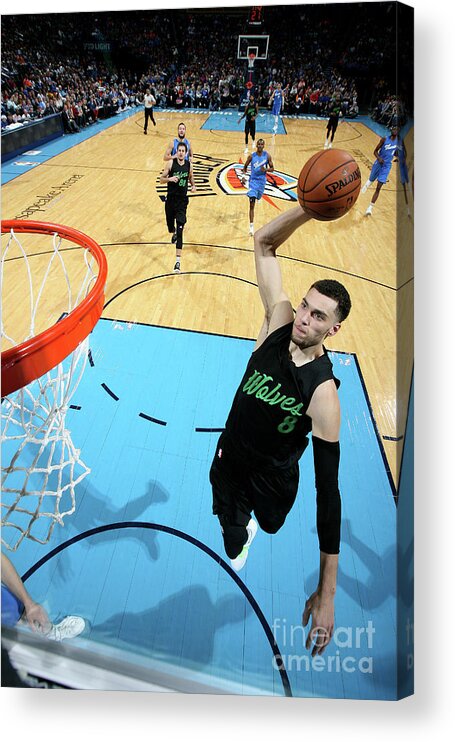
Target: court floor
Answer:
[[141, 558]]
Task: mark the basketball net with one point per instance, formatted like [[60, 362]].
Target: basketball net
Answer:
[[40, 465]]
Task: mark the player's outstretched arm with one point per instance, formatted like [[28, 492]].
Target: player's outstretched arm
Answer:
[[324, 410], [378, 149], [167, 155], [35, 613], [278, 310], [247, 163]]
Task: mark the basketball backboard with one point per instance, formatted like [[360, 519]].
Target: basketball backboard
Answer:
[[258, 45]]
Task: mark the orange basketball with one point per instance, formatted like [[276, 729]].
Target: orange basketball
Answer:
[[329, 184]]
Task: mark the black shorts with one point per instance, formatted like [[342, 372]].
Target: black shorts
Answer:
[[176, 207], [332, 126], [240, 487], [250, 128]]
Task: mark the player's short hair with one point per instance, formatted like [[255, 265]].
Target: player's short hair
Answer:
[[182, 144], [181, 124], [336, 291], [260, 140]]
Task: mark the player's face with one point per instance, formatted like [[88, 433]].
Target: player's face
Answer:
[[259, 147], [182, 131], [315, 319], [181, 153]]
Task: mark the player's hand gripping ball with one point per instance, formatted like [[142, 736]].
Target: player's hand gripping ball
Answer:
[[329, 184]]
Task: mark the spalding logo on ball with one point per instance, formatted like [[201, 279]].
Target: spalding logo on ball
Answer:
[[329, 184]]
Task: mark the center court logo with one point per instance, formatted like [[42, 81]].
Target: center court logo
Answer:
[[278, 185]]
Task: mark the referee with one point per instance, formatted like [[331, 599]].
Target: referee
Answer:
[[149, 102]]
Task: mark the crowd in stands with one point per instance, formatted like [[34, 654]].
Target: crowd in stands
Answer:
[[389, 110], [89, 66]]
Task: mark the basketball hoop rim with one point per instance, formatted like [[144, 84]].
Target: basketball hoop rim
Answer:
[[33, 358]]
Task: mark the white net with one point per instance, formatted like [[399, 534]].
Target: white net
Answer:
[[41, 467]]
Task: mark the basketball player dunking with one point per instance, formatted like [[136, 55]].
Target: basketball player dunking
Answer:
[[288, 390]]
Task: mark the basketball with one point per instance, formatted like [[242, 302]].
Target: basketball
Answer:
[[329, 184]]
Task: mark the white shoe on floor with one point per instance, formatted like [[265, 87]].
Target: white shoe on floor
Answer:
[[245, 151], [68, 628], [369, 211], [239, 562], [251, 232]]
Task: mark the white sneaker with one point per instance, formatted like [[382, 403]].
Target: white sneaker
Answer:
[[70, 627], [245, 151], [275, 129], [369, 211], [326, 145], [253, 145], [364, 188], [240, 560], [330, 145], [251, 232]]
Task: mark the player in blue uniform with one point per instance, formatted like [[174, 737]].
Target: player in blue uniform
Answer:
[[277, 102], [385, 151], [171, 151], [260, 164]]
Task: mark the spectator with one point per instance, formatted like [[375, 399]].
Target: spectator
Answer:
[[19, 607]]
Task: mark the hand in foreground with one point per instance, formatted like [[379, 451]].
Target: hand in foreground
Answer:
[[322, 612], [38, 618]]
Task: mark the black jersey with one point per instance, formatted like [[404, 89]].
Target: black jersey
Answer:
[[183, 172], [334, 115], [250, 111], [268, 421]]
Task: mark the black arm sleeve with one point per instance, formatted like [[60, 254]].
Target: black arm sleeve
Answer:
[[328, 501]]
